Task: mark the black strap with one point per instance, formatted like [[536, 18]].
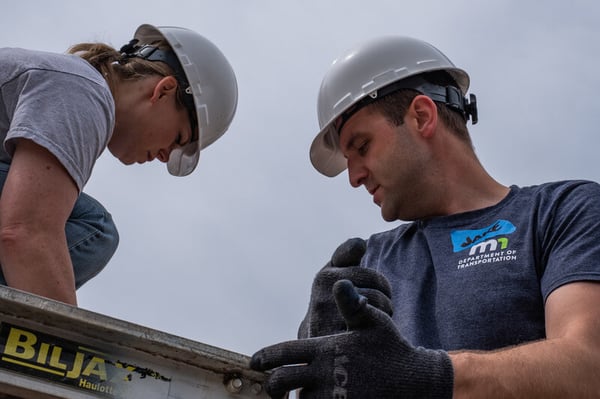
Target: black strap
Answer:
[[447, 95]]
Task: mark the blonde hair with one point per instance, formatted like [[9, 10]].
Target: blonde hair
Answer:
[[116, 66]]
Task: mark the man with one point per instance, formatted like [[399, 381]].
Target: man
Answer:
[[493, 290]]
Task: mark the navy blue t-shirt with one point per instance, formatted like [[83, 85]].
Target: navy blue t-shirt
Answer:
[[478, 280]]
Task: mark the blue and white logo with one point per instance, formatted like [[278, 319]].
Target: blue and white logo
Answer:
[[465, 239]]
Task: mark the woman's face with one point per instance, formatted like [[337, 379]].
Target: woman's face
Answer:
[[149, 122]]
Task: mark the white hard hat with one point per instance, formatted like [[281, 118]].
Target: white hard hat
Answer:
[[208, 79], [360, 73]]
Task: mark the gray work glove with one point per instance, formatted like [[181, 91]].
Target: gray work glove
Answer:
[[322, 317], [370, 360]]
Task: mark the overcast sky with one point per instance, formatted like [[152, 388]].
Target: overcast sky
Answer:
[[226, 256]]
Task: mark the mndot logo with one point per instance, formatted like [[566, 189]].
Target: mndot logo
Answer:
[[480, 239]]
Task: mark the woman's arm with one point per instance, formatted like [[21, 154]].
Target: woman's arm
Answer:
[[36, 201]]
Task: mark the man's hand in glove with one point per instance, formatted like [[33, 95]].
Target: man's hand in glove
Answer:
[[370, 360], [322, 317]]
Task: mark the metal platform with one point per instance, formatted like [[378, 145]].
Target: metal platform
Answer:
[[52, 350]]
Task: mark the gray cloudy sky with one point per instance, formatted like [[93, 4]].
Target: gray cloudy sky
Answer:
[[226, 256]]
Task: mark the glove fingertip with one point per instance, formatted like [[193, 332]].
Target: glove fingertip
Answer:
[[349, 253], [255, 362], [348, 300]]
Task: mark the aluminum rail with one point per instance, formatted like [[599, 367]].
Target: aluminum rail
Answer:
[[52, 350]]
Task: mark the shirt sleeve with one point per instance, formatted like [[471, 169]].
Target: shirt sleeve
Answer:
[[570, 237], [69, 115]]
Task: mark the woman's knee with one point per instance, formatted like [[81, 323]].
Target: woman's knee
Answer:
[[92, 237]]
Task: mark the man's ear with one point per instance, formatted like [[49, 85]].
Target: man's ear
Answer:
[[165, 86], [424, 115]]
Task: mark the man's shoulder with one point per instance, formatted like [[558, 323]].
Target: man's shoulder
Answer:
[[564, 193], [561, 185], [391, 235], [559, 191]]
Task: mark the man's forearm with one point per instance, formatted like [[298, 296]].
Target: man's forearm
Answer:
[[547, 369]]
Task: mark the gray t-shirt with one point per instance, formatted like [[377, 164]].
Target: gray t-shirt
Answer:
[[479, 280], [58, 101]]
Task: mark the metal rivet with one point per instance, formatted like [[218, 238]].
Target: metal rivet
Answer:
[[234, 385], [256, 388]]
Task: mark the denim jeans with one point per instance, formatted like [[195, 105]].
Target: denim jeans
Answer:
[[92, 236]]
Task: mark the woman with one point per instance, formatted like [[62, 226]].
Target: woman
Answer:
[[165, 95]]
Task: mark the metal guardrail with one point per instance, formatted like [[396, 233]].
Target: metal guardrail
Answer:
[[52, 350]]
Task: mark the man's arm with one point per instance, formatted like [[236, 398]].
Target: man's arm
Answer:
[[564, 365], [372, 359], [36, 201]]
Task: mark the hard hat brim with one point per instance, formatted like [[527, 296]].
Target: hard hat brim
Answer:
[[182, 161], [325, 154]]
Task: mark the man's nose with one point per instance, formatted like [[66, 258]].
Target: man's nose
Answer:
[[356, 173]]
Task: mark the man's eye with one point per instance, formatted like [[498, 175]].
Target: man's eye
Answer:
[[362, 148]]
